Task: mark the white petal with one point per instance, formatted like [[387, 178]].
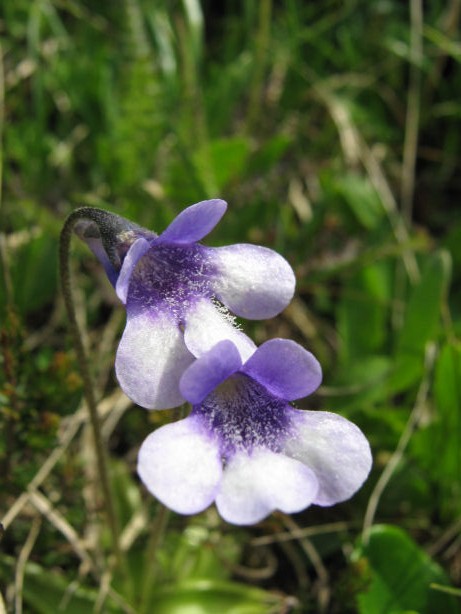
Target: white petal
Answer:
[[151, 359], [254, 282], [206, 326], [180, 465], [255, 485], [335, 449]]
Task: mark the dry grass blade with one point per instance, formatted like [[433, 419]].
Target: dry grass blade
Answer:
[[410, 145], [298, 533], [355, 149], [397, 456], [45, 507], [324, 591], [47, 467], [22, 562]]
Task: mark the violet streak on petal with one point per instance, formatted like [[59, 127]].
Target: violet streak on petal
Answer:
[[171, 279]]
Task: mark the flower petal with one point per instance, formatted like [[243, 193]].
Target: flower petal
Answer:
[[206, 325], [98, 250], [255, 485], [195, 222], [335, 449], [180, 465], [285, 368], [151, 358], [254, 282], [209, 371], [133, 256]]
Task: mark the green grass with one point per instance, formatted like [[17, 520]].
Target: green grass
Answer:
[[333, 131]]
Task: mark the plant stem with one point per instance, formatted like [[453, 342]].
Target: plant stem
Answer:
[[101, 460]]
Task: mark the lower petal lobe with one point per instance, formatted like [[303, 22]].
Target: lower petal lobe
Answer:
[[151, 359]]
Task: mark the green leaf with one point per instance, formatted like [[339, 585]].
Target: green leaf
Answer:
[[424, 306], [361, 198], [228, 158], [400, 576], [362, 312], [46, 591], [33, 272], [437, 446], [205, 597], [266, 157]]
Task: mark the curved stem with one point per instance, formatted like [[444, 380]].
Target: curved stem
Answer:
[[64, 266]]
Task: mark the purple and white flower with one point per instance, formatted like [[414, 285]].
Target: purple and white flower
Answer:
[[177, 292], [245, 447]]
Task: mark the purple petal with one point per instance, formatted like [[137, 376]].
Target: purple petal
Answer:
[[180, 465], [151, 358], [254, 282], [285, 368], [195, 222], [209, 371], [133, 256], [335, 449], [255, 485], [206, 325]]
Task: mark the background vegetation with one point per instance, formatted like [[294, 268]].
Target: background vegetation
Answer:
[[333, 130]]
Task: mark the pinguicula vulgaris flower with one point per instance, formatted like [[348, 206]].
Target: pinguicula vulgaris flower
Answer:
[[245, 447], [177, 292]]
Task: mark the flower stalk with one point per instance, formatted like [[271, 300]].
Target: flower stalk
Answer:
[[88, 386]]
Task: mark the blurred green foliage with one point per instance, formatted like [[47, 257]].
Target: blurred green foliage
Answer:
[[333, 131]]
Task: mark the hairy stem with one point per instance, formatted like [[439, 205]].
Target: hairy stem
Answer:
[[101, 460]]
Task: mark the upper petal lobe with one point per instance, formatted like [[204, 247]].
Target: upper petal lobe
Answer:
[[195, 222], [255, 282], [285, 368]]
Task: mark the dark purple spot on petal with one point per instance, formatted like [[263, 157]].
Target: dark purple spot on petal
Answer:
[[243, 415], [171, 277]]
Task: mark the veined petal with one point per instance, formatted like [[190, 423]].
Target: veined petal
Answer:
[[133, 256], [334, 448], [151, 358], [209, 370], [206, 326], [255, 485], [195, 222], [180, 465], [285, 368], [254, 282]]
